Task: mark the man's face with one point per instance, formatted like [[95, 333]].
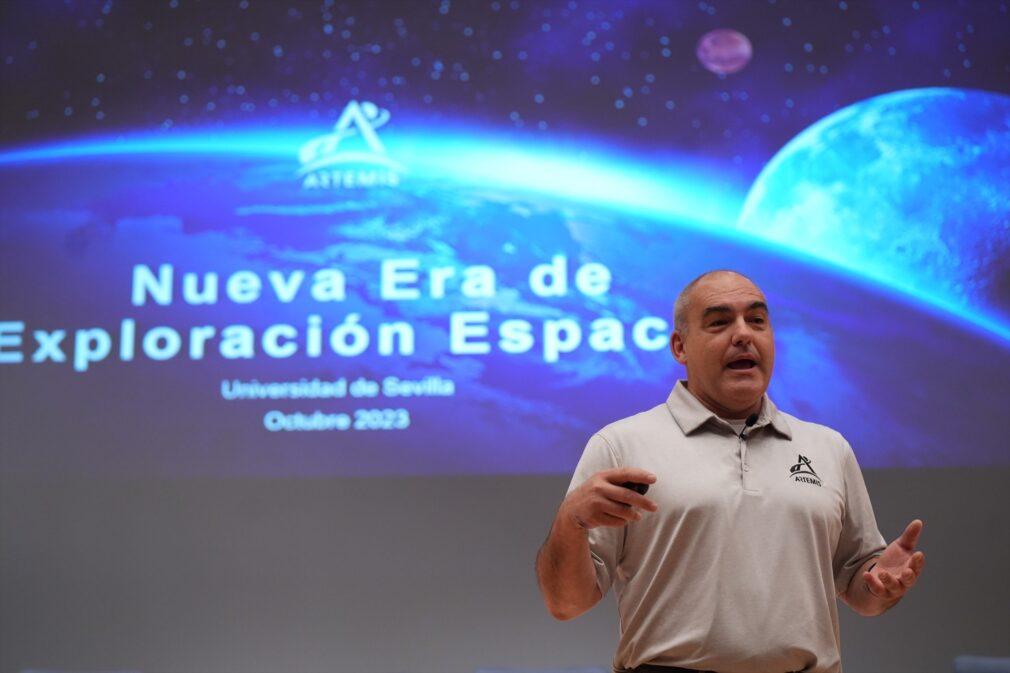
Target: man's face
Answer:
[[728, 347]]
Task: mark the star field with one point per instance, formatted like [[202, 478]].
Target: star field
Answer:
[[622, 73]]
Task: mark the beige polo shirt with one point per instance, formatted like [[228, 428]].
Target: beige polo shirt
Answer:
[[739, 569]]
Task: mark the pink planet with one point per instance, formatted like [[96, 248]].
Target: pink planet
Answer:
[[724, 51]]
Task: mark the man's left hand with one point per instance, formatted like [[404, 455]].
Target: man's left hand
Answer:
[[898, 568]]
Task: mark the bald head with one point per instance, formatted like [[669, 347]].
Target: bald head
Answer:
[[682, 307]]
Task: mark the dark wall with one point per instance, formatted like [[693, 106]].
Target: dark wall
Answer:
[[404, 575]]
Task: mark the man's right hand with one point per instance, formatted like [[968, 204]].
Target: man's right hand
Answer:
[[602, 501], [565, 568]]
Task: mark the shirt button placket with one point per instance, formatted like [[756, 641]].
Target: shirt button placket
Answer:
[[746, 476]]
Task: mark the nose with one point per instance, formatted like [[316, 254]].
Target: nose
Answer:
[[742, 334]]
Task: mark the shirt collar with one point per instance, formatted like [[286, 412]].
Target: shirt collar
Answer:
[[690, 414]]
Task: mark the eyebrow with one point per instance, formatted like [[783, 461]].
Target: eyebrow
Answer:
[[723, 308]]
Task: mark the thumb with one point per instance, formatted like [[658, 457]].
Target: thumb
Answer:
[[910, 537], [620, 475]]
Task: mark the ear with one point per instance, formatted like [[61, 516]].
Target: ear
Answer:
[[677, 347]]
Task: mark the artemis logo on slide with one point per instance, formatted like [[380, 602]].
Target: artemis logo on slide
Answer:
[[328, 162]]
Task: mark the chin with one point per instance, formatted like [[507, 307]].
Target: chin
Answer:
[[745, 396]]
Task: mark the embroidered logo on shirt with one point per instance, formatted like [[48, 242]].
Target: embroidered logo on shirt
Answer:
[[803, 472]]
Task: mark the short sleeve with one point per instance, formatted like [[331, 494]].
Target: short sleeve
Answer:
[[860, 538], [604, 543]]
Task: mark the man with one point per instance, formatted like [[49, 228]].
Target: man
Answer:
[[753, 524]]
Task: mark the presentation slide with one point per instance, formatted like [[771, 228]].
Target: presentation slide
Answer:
[[266, 239]]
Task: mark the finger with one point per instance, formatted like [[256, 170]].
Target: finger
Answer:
[[907, 579], [874, 585], [620, 511], [629, 498], [619, 475], [917, 562], [590, 508], [888, 580], [609, 521], [641, 502], [603, 519], [910, 537]]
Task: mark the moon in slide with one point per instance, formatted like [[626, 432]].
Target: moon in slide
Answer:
[[724, 51]]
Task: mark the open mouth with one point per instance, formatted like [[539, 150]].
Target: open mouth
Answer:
[[742, 364]]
